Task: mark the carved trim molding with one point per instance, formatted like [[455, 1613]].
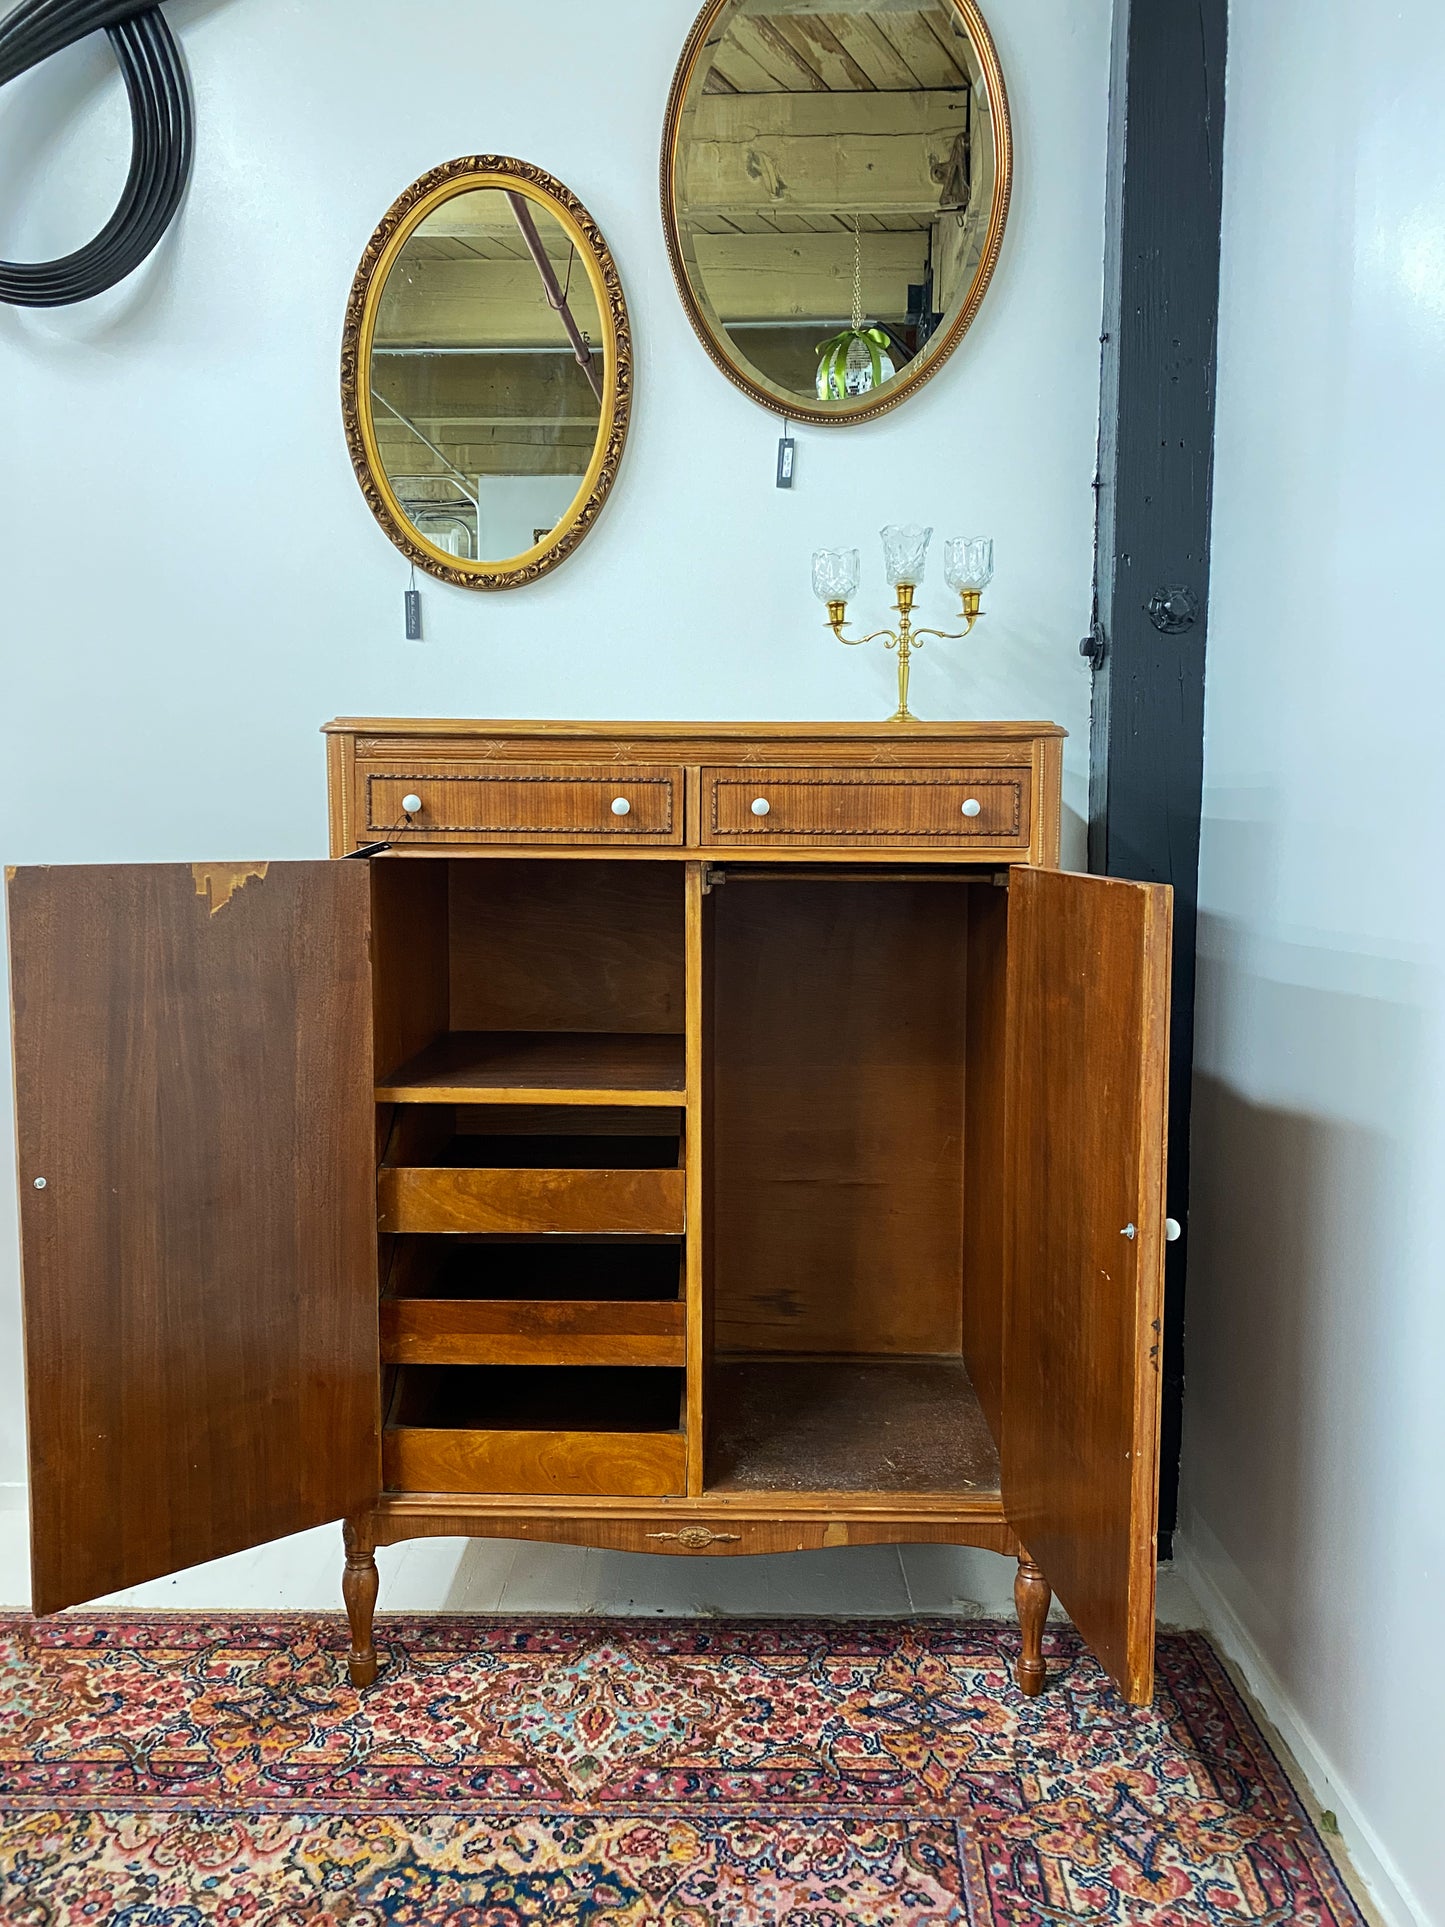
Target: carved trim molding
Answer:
[[441, 183]]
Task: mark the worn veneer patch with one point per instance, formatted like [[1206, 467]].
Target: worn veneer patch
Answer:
[[219, 882]]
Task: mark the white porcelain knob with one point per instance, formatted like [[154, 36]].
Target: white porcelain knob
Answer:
[[411, 803], [621, 806], [973, 807], [1173, 1230], [761, 806]]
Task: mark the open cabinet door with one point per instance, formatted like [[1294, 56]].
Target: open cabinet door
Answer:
[[1087, 1082], [198, 1220]]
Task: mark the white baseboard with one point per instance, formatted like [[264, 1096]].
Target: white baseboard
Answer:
[[1388, 1891]]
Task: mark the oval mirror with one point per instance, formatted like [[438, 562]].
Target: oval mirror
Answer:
[[835, 183], [486, 372]]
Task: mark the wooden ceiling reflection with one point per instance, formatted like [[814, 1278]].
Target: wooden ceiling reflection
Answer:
[[850, 46], [811, 118]]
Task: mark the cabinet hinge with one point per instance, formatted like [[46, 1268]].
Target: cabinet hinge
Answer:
[[712, 873]]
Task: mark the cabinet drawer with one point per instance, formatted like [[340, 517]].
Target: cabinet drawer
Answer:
[[422, 1198], [531, 1331], [833, 808], [523, 803], [536, 1430], [602, 1464]]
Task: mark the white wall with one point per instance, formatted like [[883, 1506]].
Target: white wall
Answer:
[[192, 583], [1315, 1407]]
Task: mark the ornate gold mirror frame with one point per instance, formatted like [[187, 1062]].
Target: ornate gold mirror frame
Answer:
[[403, 218], [707, 31]]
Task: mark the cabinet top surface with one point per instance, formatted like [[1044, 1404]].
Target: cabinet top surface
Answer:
[[767, 732]]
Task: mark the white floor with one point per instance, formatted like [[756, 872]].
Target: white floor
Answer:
[[486, 1575]]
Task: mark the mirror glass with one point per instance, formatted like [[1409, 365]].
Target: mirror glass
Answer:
[[487, 375], [835, 188], [486, 372]]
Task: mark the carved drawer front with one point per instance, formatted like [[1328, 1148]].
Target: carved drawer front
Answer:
[[522, 803], [835, 808]]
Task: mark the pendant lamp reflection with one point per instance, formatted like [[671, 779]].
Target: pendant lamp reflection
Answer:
[[857, 360]]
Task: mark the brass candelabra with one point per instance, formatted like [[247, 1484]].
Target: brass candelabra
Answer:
[[905, 638]]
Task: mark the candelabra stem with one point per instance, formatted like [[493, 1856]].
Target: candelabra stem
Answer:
[[905, 639], [903, 714]]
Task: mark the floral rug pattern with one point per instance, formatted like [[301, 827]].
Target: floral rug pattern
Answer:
[[183, 1771]]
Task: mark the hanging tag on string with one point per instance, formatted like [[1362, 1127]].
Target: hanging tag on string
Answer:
[[787, 449], [413, 610]]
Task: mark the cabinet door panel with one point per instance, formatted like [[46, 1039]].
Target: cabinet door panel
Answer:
[[1087, 1081], [193, 1085]]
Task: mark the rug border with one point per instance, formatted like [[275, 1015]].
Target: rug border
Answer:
[[1267, 1740]]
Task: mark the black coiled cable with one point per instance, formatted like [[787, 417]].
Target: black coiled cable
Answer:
[[163, 140]]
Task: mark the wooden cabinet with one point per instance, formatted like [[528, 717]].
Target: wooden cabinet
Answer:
[[695, 1177]]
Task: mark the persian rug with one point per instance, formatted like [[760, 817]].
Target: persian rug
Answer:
[[180, 1771]]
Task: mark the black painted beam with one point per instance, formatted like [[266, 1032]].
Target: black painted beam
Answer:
[[1156, 462]]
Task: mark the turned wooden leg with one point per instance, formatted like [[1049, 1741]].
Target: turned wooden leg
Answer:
[[358, 1588], [1031, 1596]]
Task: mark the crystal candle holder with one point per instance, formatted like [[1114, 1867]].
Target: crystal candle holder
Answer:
[[968, 563], [905, 554], [835, 575], [968, 568]]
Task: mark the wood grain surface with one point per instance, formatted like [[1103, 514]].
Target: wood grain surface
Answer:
[[541, 1067], [697, 1252], [495, 734], [193, 1075], [676, 1526], [594, 946], [837, 1142], [411, 997], [531, 1331], [526, 803], [840, 807], [1088, 1074], [625, 1464], [535, 1431], [985, 1192], [373, 763], [424, 1198]]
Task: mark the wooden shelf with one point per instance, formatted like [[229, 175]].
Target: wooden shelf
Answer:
[[531, 1331], [868, 1425], [541, 1067], [536, 1429]]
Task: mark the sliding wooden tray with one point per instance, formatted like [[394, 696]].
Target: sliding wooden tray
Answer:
[[528, 1331], [621, 1187], [534, 1301], [562, 1431]]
